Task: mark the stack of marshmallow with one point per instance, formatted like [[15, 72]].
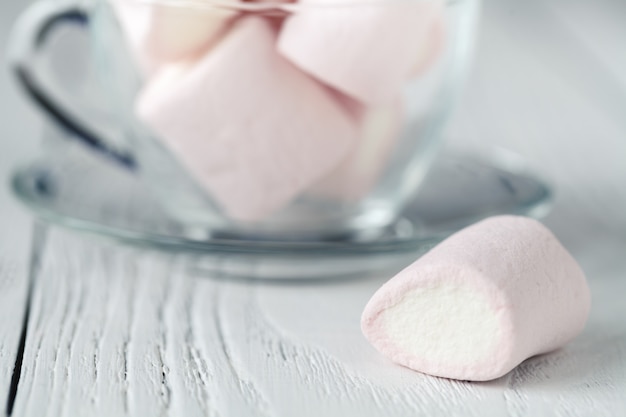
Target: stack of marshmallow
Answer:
[[260, 109]]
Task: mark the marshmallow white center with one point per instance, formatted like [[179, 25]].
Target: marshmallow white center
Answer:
[[444, 324]]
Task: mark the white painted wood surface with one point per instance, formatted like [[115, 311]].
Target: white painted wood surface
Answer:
[[119, 331]]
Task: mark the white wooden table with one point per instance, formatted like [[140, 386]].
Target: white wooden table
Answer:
[[98, 329]]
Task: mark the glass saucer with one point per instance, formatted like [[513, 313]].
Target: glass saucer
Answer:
[[91, 196]]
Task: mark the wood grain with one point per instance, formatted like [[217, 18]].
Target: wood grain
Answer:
[[15, 247], [121, 331], [13, 291]]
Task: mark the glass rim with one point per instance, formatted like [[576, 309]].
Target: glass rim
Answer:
[[276, 5]]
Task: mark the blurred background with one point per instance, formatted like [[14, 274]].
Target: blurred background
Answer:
[[548, 82]]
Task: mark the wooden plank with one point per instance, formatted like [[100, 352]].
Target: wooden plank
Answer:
[[121, 331], [125, 332], [113, 332], [318, 325], [13, 293]]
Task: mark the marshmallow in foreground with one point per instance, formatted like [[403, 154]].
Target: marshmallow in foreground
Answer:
[[159, 33], [367, 51], [481, 302], [252, 129], [379, 128]]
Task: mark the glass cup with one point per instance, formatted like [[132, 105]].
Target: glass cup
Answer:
[[311, 120]]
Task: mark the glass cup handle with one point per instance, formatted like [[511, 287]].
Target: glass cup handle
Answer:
[[27, 42]]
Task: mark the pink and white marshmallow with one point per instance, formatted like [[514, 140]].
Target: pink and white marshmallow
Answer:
[[481, 302], [379, 128], [253, 130], [159, 33], [367, 52], [432, 49]]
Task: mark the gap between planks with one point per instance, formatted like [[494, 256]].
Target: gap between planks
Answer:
[[38, 243]]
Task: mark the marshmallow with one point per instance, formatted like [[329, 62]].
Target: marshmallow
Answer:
[[379, 127], [366, 51], [160, 33], [481, 302], [252, 129], [430, 50]]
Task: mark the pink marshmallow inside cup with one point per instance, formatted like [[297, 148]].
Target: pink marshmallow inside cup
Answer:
[[159, 34], [251, 128], [367, 52], [378, 130]]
